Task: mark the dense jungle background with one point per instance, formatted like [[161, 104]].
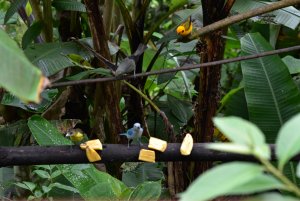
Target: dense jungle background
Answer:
[[54, 82]]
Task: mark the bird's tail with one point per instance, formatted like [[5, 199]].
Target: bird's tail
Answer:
[[123, 134], [140, 50]]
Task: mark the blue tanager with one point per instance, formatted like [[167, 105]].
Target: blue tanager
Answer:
[[134, 133]]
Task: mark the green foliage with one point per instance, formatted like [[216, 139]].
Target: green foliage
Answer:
[[87, 179], [14, 133], [68, 5], [51, 57], [292, 63], [12, 20], [288, 135], [175, 4], [246, 139], [223, 178], [15, 5], [47, 97], [288, 16], [44, 182], [146, 191], [260, 183], [272, 196], [6, 178], [32, 33], [137, 173], [90, 182], [17, 66], [272, 96], [246, 135], [261, 90], [251, 141], [90, 73], [178, 111]]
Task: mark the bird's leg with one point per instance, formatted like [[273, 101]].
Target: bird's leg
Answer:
[[128, 143], [139, 140]]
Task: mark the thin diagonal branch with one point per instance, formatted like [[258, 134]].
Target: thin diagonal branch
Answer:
[[240, 17]]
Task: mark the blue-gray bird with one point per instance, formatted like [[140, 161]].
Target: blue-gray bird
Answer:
[[127, 65], [134, 133]]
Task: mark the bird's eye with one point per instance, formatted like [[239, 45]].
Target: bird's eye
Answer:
[[182, 31]]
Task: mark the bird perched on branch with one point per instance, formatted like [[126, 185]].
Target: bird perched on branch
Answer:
[[127, 65], [185, 28], [76, 135], [134, 133]]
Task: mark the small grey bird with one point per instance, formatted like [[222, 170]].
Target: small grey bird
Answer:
[[127, 65]]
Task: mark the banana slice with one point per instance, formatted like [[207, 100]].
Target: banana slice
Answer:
[[147, 155], [92, 155], [187, 145], [157, 144], [93, 144]]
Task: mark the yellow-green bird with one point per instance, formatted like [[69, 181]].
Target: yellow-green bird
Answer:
[[76, 135], [185, 28]]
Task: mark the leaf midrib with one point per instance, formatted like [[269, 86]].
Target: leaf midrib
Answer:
[[269, 83]]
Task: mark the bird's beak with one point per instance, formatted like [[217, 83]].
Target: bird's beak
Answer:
[[68, 134]]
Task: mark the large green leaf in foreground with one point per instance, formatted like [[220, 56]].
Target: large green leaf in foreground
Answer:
[[18, 75], [272, 96], [287, 144], [221, 180], [91, 183]]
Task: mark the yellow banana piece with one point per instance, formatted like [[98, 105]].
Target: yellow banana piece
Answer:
[[187, 145], [147, 155], [90, 147], [92, 155], [185, 28], [92, 144], [157, 144]]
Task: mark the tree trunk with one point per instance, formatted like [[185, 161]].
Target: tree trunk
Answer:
[[134, 101], [210, 48], [107, 124]]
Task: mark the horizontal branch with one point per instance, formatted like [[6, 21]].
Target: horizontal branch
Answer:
[[171, 70], [37, 155]]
